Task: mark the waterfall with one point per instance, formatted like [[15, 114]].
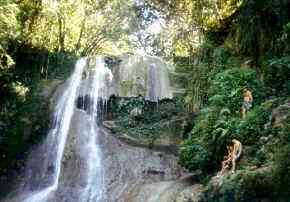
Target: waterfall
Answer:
[[97, 92], [62, 118], [143, 75]]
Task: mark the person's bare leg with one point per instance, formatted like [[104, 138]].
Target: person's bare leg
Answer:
[[223, 167], [243, 112], [234, 164]]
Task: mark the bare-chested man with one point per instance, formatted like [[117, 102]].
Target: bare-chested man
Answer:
[[247, 103]]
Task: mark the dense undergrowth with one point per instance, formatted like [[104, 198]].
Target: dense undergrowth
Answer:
[[225, 66], [148, 121]]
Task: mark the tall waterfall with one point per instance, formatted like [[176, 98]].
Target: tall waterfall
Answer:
[[100, 76], [58, 134], [92, 181]]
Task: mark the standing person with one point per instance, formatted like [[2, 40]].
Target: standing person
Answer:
[[247, 102], [236, 153]]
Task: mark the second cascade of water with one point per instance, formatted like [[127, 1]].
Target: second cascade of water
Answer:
[[98, 94]]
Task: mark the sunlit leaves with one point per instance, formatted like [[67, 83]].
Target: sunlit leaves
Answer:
[[84, 26], [8, 21], [187, 20]]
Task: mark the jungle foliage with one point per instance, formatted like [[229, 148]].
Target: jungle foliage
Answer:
[[147, 121], [219, 47], [250, 50]]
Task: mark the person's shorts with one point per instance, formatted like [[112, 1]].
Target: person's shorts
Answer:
[[247, 105]]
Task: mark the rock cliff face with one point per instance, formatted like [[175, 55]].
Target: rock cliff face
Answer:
[[127, 171], [280, 115], [131, 174]]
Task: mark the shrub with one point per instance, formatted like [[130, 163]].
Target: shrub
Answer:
[[243, 186], [209, 137], [193, 155], [253, 127], [156, 119], [276, 76], [227, 86]]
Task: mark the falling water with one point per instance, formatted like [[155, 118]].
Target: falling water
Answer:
[[63, 114], [51, 175], [98, 93], [143, 75]]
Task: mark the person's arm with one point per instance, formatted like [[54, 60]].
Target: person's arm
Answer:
[[251, 97]]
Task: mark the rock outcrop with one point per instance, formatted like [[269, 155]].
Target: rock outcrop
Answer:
[[280, 114]]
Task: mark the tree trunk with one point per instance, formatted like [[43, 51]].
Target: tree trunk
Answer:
[[78, 44], [61, 27]]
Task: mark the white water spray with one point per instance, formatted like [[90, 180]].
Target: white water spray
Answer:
[[101, 77], [96, 89], [143, 75], [63, 115]]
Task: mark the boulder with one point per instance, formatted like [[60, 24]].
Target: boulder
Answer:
[[280, 114]]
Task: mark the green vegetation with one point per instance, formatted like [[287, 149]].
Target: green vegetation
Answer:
[[155, 121], [243, 186], [248, 48], [219, 47]]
